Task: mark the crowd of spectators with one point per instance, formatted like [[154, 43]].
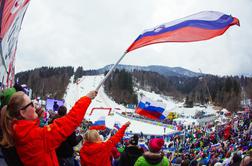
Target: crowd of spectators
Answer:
[[28, 137]]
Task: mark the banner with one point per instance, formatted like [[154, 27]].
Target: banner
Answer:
[[11, 16]]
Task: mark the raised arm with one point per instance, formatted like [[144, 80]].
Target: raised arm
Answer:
[[119, 135], [61, 128]]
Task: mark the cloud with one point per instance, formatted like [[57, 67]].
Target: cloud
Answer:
[[93, 34]]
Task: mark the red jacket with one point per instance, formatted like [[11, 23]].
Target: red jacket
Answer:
[[99, 153], [36, 145], [227, 132]]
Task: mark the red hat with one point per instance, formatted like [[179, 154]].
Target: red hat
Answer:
[[155, 144]]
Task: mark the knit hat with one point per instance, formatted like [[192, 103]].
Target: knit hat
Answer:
[[155, 144], [194, 163], [178, 160], [134, 139], [62, 110], [218, 164], [6, 95]]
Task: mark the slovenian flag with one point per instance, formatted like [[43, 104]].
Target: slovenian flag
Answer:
[[201, 26], [144, 147], [117, 125], [98, 124], [151, 109]]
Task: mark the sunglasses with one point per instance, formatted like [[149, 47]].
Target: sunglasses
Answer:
[[26, 106]]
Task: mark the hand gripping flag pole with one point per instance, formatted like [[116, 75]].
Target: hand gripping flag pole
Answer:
[[197, 27]]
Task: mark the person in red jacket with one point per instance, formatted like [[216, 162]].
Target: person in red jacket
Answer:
[[36, 145], [94, 152], [227, 131]]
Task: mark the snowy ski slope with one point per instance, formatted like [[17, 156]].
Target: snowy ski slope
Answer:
[[87, 83]]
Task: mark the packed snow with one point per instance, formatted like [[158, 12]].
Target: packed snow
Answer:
[[88, 83]]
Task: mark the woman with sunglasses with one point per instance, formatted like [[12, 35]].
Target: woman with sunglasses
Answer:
[[36, 145]]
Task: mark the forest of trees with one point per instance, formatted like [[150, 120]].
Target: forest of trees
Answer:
[[247, 84], [120, 86], [47, 81], [223, 91], [80, 72], [226, 92]]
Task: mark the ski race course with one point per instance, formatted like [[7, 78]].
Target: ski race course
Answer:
[[102, 104]]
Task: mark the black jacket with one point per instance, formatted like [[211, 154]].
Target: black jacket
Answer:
[[130, 155], [11, 157], [65, 150]]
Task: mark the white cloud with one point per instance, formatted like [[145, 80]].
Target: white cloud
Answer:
[[93, 34]]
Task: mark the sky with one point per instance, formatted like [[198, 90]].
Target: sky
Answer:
[[94, 33]]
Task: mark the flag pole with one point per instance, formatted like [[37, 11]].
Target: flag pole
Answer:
[[110, 71]]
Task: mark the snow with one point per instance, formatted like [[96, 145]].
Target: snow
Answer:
[[88, 83]]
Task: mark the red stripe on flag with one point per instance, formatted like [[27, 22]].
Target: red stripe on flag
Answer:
[[97, 127], [151, 115], [187, 34]]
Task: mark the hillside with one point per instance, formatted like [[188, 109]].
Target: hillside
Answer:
[[123, 84], [47, 81], [224, 91], [103, 103]]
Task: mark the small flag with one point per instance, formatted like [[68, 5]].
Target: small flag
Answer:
[[151, 109], [143, 146], [197, 27], [117, 125], [216, 145], [98, 124]]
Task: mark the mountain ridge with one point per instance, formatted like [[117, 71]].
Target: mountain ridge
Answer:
[[163, 70], [224, 91]]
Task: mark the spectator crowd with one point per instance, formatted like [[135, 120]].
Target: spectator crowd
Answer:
[[29, 137]]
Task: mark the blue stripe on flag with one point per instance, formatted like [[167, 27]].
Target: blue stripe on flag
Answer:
[[98, 123], [146, 106], [222, 22]]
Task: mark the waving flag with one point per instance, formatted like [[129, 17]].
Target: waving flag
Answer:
[[144, 147], [117, 125], [151, 109], [11, 17], [98, 124], [201, 26]]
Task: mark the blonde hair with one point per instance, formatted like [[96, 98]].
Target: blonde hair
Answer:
[[92, 136], [9, 113]]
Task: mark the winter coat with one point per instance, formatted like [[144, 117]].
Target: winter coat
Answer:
[[99, 153], [246, 161], [65, 150], [130, 155], [11, 157], [36, 145], [227, 132], [152, 159]]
